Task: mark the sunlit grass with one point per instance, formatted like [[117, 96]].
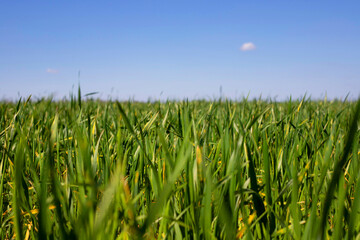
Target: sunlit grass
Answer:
[[179, 170]]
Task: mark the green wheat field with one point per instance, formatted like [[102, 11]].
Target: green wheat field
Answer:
[[221, 169]]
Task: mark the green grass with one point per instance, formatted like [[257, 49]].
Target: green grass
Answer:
[[179, 170]]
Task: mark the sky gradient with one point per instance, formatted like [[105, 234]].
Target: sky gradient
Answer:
[[180, 49]]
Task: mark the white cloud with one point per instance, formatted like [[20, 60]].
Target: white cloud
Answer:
[[52, 71], [249, 46]]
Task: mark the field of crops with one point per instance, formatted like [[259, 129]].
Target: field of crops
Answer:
[[179, 170]]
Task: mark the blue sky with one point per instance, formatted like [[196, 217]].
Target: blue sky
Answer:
[[180, 49]]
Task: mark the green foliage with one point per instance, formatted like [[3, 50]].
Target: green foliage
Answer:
[[179, 170]]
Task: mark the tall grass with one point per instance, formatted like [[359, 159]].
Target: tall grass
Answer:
[[179, 170]]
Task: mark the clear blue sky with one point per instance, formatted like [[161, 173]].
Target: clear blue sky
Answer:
[[180, 49]]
